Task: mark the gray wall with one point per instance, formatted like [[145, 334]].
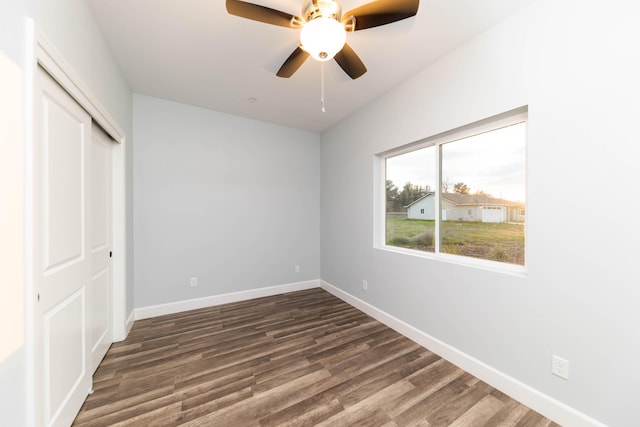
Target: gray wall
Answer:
[[71, 29], [232, 201], [576, 68]]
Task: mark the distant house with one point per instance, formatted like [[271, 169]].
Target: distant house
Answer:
[[423, 208], [467, 207]]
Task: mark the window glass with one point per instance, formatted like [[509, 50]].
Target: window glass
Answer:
[[410, 190], [484, 195], [480, 190]]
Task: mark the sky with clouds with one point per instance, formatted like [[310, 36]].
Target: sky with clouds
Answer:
[[493, 162]]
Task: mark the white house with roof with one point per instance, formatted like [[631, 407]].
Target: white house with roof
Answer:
[[423, 208], [467, 207]]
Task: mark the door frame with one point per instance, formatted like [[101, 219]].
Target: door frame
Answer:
[[41, 53]]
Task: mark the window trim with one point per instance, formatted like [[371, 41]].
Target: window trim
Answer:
[[489, 124]]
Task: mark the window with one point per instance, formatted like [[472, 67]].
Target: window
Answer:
[[461, 194]]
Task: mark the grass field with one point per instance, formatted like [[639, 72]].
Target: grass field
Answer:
[[497, 242]]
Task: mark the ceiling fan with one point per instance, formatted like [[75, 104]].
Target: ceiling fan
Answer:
[[324, 27]]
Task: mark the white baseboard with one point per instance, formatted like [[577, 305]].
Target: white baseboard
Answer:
[[193, 304], [540, 402]]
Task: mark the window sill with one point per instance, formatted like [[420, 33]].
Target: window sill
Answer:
[[483, 264]]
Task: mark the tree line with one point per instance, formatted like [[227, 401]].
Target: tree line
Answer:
[[399, 199]]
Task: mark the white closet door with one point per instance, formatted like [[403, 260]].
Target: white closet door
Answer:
[[62, 258], [101, 285]]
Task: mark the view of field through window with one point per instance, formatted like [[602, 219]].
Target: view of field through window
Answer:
[[481, 196]]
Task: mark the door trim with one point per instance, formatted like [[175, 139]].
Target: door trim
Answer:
[[40, 52]]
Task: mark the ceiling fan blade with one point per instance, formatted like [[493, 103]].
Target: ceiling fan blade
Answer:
[[293, 62], [350, 62], [259, 13], [382, 12]]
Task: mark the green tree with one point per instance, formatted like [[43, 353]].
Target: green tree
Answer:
[[410, 193], [461, 188], [393, 203]]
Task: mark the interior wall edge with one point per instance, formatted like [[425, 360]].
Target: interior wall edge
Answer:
[[129, 324]]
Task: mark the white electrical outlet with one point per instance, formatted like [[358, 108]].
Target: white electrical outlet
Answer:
[[365, 285], [560, 367], [296, 269], [194, 282]]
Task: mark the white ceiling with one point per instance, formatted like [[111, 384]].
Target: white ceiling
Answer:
[[194, 52]]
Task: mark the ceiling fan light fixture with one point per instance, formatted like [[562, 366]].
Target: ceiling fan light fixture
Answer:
[[323, 28], [323, 38]]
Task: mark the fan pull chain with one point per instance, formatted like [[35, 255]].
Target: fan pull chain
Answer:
[[322, 87]]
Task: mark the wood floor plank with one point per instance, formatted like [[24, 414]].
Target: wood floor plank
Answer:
[[299, 359], [302, 415], [509, 416], [479, 413], [249, 412], [431, 403], [128, 412], [368, 408]]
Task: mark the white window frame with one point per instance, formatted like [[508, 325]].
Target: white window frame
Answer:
[[379, 239]]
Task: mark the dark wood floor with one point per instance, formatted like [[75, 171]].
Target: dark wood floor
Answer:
[[303, 358]]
